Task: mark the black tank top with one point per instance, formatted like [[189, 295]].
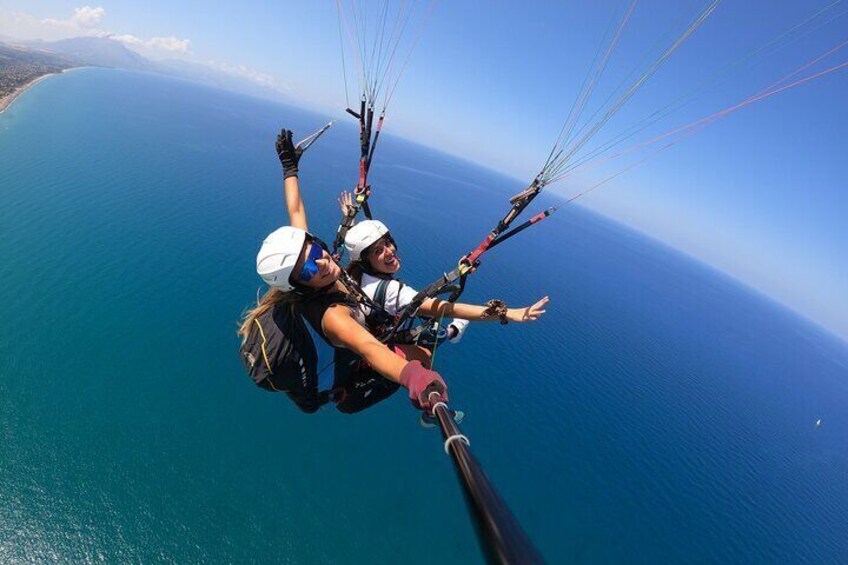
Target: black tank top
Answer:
[[313, 309]]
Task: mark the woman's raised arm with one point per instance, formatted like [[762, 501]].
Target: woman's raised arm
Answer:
[[289, 158]]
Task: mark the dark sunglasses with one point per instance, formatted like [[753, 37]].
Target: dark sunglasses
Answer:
[[310, 267]]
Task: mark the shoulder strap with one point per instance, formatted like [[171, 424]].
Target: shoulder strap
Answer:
[[380, 292], [397, 296]]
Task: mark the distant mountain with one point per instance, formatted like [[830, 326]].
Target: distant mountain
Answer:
[[17, 55], [106, 52], [96, 51]]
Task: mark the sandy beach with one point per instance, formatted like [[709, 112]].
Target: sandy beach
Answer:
[[7, 100]]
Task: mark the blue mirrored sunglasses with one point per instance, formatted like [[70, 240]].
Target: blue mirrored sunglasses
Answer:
[[310, 266]]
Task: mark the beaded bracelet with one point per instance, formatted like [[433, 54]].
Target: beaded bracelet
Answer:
[[495, 308]]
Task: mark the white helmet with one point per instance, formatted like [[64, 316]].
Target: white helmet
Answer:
[[363, 235], [278, 256]]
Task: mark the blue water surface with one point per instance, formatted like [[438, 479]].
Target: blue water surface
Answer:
[[659, 413]]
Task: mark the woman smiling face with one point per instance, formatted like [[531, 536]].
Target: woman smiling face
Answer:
[[382, 256], [315, 267]]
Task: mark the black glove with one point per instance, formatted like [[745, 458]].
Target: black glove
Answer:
[[289, 154]]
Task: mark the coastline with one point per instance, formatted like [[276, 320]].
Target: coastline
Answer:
[[7, 100]]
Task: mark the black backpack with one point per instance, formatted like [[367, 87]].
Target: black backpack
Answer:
[[280, 356]]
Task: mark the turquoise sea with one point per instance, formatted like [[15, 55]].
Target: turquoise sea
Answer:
[[660, 412]]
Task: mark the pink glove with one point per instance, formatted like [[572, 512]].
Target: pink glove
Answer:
[[421, 382]]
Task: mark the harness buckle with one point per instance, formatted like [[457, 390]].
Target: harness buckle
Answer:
[[362, 195], [466, 266]]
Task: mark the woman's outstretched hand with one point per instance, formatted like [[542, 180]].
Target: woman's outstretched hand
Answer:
[[528, 314], [345, 202], [289, 154]]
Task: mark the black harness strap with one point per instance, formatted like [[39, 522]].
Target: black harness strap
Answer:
[[380, 292], [454, 281]]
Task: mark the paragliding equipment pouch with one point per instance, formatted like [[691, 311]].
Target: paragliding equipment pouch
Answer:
[[356, 385], [280, 356]]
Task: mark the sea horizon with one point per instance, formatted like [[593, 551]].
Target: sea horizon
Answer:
[[843, 338]]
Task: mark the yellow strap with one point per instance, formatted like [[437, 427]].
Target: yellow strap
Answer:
[[265, 353]]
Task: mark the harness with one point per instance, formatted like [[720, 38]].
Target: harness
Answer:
[[454, 281], [426, 333]]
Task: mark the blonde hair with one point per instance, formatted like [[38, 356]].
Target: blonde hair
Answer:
[[269, 300]]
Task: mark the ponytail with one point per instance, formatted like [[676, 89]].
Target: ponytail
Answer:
[[269, 300]]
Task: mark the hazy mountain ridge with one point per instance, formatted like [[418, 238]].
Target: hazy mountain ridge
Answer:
[[42, 57], [13, 54], [96, 51]]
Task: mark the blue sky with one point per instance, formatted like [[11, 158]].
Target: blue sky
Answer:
[[761, 194]]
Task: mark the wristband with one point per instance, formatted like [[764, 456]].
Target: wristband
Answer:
[[495, 308]]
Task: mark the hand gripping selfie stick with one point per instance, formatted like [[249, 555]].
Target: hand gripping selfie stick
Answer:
[[501, 537]]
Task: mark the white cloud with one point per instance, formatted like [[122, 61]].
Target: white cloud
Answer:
[[85, 21], [87, 16], [170, 44], [24, 26], [128, 39], [252, 75]]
